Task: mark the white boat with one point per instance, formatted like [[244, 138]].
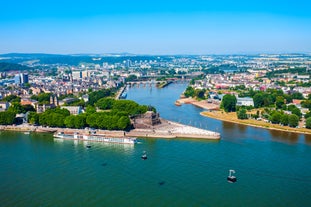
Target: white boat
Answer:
[[96, 138], [231, 178]]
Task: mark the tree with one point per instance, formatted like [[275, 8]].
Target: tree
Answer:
[[306, 104], [241, 114], [258, 100], [70, 121], [105, 103], [308, 123], [124, 122], [228, 103], [16, 108], [307, 115], [28, 107], [42, 98], [90, 109], [33, 118], [275, 117], [293, 120], [297, 112], [189, 92], [131, 78], [284, 120], [297, 95], [12, 98], [80, 122], [7, 117], [279, 102], [200, 93]]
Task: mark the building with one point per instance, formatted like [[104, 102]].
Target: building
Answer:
[[76, 75], [74, 110], [246, 101], [85, 74], [26, 101], [4, 105], [24, 78], [21, 78], [85, 98], [17, 79]]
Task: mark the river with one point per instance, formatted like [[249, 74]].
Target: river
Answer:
[[273, 168]]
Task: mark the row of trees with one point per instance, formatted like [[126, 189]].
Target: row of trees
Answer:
[[198, 93], [114, 117]]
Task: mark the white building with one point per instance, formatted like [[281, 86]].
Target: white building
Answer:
[[246, 101], [74, 110]]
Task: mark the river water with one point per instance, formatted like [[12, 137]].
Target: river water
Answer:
[[273, 168]]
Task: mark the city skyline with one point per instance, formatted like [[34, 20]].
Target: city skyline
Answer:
[[159, 28]]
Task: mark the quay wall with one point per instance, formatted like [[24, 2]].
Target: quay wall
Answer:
[[166, 129]]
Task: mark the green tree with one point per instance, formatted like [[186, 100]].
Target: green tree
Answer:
[[28, 107], [200, 93], [90, 110], [297, 95], [80, 122], [308, 123], [279, 102], [131, 78], [228, 103], [189, 92], [241, 114], [105, 103], [12, 98], [258, 100], [7, 118], [293, 120], [124, 122], [42, 98], [306, 104], [307, 115], [16, 108], [297, 112], [33, 118], [275, 117], [70, 121], [284, 119]]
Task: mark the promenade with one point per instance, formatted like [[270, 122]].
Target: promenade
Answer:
[[167, 129]]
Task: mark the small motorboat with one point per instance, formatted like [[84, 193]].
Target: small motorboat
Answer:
[[88, 146], [231, 178], [144, 156]]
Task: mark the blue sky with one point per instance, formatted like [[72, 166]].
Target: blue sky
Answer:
[[155, 27]]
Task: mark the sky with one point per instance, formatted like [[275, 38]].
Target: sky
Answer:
[[160, 27]]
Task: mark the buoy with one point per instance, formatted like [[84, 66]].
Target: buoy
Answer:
[[231, 178]]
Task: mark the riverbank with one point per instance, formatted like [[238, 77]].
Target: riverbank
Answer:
[[202, 104], [167, 129], [231, 117]]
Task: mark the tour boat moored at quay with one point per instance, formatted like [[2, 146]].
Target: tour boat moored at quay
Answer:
[[96, 138]]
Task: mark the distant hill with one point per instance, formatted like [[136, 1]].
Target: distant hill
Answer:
[[4, 66], [75, 59]]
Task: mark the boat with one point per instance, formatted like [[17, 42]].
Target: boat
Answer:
[[96, 138], [231, 178], [26, 132], [144, 155]]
